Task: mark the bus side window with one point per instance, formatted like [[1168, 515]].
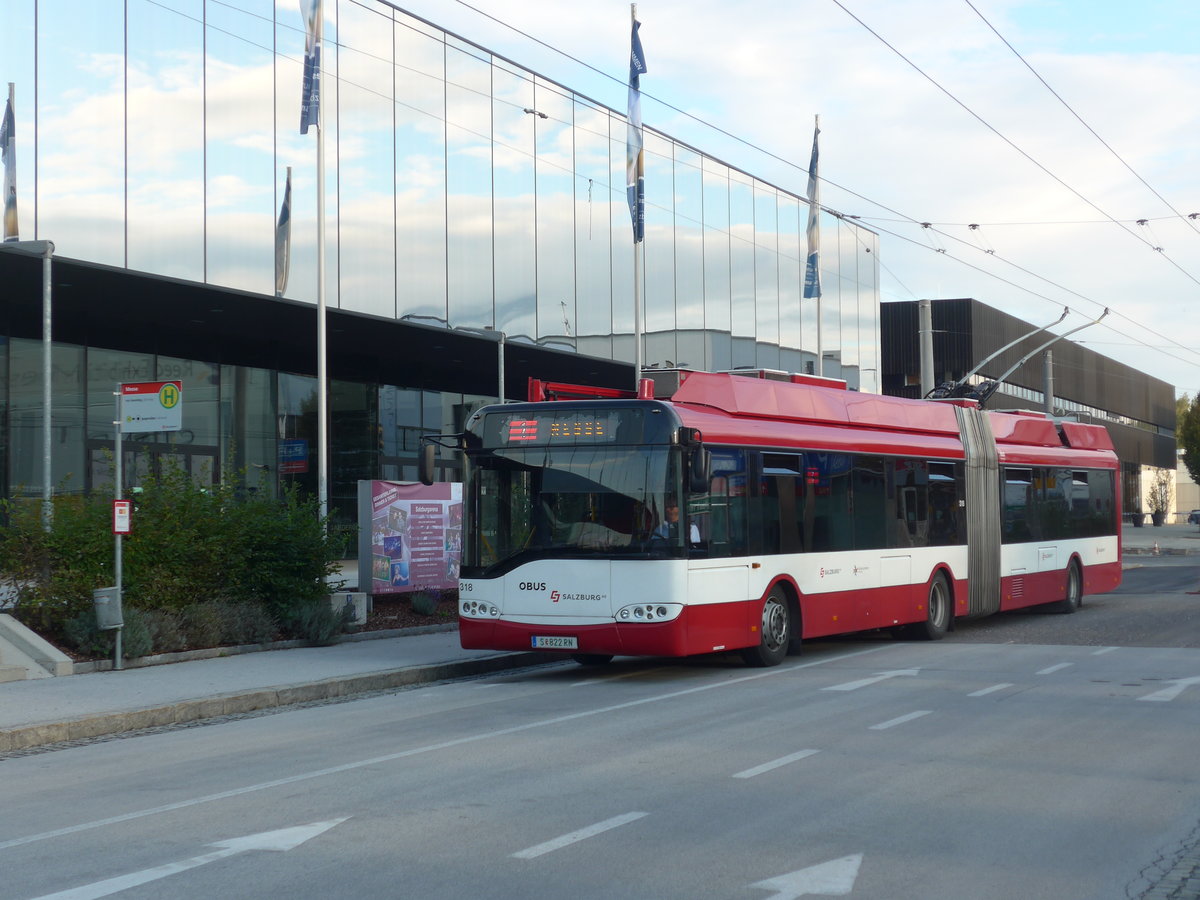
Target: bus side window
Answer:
[[725, 516]]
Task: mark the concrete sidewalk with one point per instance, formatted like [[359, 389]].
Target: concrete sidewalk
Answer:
[[51, 710], [1168, 539]]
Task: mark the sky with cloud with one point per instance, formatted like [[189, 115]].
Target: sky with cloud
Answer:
[[1064, 130]]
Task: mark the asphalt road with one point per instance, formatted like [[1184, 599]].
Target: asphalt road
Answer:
[[1157, 605], [1031, 755]]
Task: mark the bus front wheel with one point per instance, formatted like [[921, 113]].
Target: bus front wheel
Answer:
[[776, 633], [1074, 598], [938, 609]]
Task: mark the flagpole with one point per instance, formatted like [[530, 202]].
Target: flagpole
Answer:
[[313, 114], [816, 202], [322, 362], [637, 207], [812, 271]]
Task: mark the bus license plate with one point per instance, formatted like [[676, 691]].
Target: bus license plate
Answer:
[[542, 642]]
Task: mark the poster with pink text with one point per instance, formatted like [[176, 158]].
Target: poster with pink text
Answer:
[[410, 536]]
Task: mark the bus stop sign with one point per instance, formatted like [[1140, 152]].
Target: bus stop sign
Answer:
[[151, 406]]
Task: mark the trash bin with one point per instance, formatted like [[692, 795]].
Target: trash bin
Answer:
[[107, 602]]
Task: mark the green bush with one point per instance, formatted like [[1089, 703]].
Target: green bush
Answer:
[[136, 637], [263, 559], [317, 622]]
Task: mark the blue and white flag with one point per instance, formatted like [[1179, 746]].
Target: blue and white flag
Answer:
[[283, 239], [635, 171], [812, 270], [8, 152], [310, 102]]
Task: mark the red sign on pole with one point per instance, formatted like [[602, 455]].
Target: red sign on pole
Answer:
[[121, 516]]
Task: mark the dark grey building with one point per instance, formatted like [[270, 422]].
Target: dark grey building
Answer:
[[1138, 409]]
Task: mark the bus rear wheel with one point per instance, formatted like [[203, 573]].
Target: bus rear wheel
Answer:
[[776, 633]]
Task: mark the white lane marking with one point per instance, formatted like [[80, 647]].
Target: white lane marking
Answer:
[[874, 679], [900, 720], [582, 834], [605, 678], [989, 690], [1179, 685], [428, 748], [281, 841], [830, 879], [1104, 650], [775, 764], [1050, 670]]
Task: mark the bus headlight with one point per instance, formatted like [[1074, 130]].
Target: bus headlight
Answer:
[[650, 612], [478, 609]]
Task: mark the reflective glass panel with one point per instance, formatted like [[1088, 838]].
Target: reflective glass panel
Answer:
[[81, 128], [622, 245], [366, 205], [791, 282], [420, 171], [248, 441], [514, 209], [555, 212], [689, 252], [766, 275], [592, 315], [660, 248], [716, 265], [741, 269], [26, 413], [240, 194], [165, 115], [468, 187]]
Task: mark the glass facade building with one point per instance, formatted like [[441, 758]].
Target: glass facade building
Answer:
[[462, 192]]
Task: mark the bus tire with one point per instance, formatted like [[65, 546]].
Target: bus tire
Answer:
[[1074, 598], [938, 610], [775, 631], [592, 659]]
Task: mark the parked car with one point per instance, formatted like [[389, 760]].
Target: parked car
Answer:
[[1194, 517]]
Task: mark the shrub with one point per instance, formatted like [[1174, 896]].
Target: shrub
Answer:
[[426, 602], [317, 622], [136, 637], [266, 558]]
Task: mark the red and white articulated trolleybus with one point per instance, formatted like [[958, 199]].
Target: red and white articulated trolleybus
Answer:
[[747, 514]]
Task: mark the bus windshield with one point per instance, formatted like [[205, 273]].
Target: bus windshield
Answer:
[[528, 503]]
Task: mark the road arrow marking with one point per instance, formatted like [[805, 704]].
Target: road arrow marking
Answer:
[[875, 679], [1178, 686], [282, 840], [830, 879]]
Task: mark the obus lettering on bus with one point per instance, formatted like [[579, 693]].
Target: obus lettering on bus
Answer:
[[532, 585]]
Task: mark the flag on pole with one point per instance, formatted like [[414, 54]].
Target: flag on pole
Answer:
[[812, 271], [310, 102], [283, 238], [8, 151], [635, 172]]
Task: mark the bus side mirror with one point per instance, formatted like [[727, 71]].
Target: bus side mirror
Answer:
[[425, 464], [699, 470]]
